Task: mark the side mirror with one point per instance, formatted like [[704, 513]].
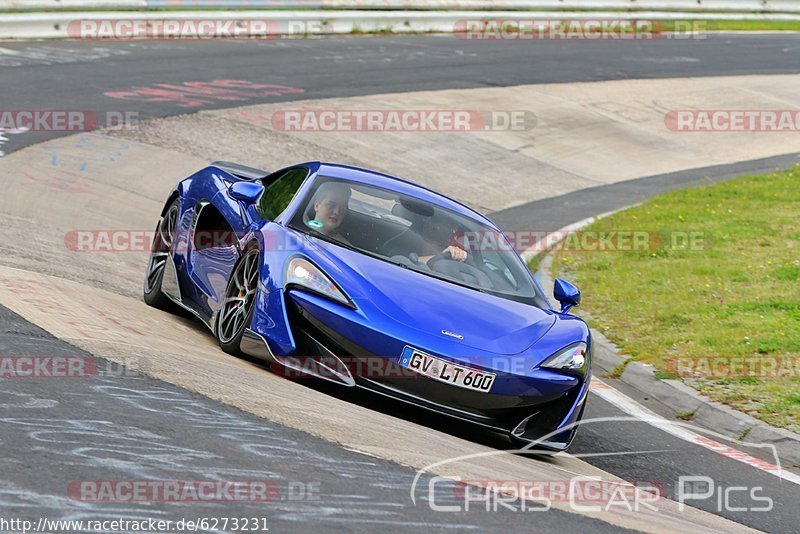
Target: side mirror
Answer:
[[567, 294], [247, 192]]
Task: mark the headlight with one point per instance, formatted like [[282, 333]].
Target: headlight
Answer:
[[573, 359], [303, 273]]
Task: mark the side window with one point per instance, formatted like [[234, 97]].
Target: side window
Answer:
[[280, 192]]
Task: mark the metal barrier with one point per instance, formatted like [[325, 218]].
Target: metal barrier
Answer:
[[61, 5], [753, 6], [688, 6], [66, 21], [262, 24]]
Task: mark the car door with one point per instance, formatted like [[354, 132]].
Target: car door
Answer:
[[224, 223], [218, 222]]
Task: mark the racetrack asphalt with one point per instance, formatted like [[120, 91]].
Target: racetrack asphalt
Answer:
[[76, 75], [341, 67], [116, 425]]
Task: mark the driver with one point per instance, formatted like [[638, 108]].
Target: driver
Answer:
[[456, 252], [442, 236], [446, 238], [330, 208]]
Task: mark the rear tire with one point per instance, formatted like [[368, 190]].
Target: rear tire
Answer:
[[159, 255], [238, 308]]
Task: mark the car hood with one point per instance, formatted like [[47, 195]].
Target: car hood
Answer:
[[421, 302]]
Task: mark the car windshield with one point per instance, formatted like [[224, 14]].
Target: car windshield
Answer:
[[416, 235]]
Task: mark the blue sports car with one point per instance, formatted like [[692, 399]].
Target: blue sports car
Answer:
[[373, 282]]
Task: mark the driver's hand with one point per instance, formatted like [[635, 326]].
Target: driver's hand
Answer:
[[458, 254]]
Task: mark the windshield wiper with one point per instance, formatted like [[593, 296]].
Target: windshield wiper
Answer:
[[440, 276]]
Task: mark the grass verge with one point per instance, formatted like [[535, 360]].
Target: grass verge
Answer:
[[735, 25], [713, 297]]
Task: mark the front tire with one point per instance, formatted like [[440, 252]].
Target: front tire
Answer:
[[159, 255], [238, 308]]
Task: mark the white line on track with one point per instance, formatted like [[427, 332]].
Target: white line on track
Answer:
[[9, 52], [679, 430], [554, 238]]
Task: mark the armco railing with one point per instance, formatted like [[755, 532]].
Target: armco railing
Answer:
[[59, 19], [690, 6]]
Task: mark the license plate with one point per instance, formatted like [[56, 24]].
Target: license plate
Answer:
[[448, 372]]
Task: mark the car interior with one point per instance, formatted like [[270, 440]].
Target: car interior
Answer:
[[402, 230]]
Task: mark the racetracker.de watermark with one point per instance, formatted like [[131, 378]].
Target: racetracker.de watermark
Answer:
[[720, 367], [142, 491], [468, 367], [47, 367], [397, 120], [50, 120], [180, 28], [72, 366], [535, 241], [737, 120], [606, 29]]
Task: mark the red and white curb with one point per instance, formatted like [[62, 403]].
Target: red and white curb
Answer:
[[680, 430]]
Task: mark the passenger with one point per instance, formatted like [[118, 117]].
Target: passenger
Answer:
[[330, 209]]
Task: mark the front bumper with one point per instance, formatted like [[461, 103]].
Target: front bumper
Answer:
[[543, 407]]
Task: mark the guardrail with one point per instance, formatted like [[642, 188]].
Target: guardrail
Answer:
[[261, 24], [761, 6], [689, 6], [55, 5]]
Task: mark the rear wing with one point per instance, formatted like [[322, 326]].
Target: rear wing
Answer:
[[242, 172]]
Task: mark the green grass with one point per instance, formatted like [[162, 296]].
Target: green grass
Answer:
[[736, 294], [737, 25], [617, 371]]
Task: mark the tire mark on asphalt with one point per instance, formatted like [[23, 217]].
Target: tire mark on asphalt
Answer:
[[98, 446], [55, 55]]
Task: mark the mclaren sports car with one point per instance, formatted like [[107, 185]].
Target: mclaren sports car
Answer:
[[369, 281]]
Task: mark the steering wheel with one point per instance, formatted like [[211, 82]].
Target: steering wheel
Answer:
[[443, 263], [440, 256], [471, 260]]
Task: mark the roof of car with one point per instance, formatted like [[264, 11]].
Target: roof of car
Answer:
[[386, 181]]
